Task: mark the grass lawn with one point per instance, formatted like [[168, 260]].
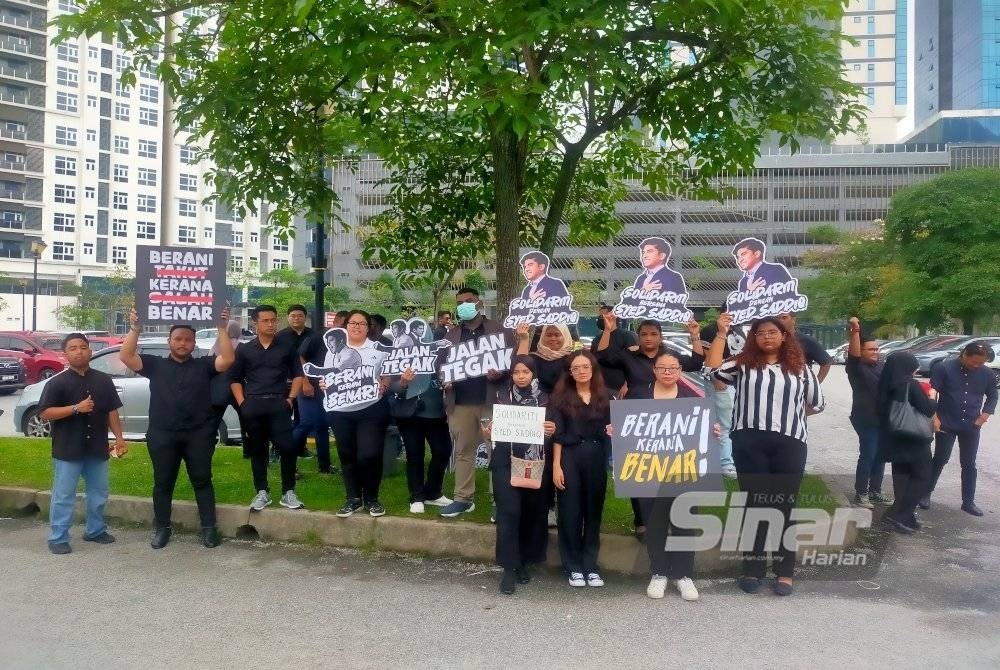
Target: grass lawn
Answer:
[[27, 462]]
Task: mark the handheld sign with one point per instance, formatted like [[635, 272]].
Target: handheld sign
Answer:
[[179, 284], [545, 300], [663, 448], [514, 423], [410, 350], [658, 293], [350, 374], [765, 289], [474, 358]]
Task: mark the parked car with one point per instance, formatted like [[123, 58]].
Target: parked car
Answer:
[[12, 374], [133, 389], [40, 362], [839, 354], [97, 342], [994, 365], [928, 359], [890, 346]]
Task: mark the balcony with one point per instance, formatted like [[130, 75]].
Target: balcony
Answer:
[[12, 20], [12, 165], [19, 72], [22, 46], [11, 193], [13, 134]]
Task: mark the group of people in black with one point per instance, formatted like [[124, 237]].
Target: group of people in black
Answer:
[[774, 391]]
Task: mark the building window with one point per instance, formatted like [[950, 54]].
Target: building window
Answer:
[[122, 62], [871, 5], [279, 245], [121, 111], [237, 239], [188, 156], [121, 144], [870, 95], [88, 249], [65, 193], [119, 227], [148, 116], [254, 238], [149, 93], [68, 52], [147, 148], [187, 234], [187, 208], [62, 251], [66, 165], [65, 223], [88, 220], [145, 230], [121, 90], [89, 192], [92, 52], [207, 233], [871, 72], [11, 220], [66, 136], [121, 173], [92, 101], [120, 200], [236, 264], [92, 77], [119, 255], [857, 67], [871, 48], [67, 77], [189, 182], [857, 19], [91, 164], [91, 135], [146, 203], [871, 25], [279, 263], [147, 177], [67, 102]]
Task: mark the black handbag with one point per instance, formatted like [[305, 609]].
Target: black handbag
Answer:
[[906, 422], [401, 407]]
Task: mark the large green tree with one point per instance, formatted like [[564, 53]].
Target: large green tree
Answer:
[[563, 98]]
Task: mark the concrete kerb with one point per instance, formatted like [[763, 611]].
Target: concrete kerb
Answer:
[[620, 554]]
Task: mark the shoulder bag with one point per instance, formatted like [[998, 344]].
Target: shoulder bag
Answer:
[[906, 422]]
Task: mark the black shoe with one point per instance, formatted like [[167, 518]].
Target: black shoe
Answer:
[[900, 527], [508, 582], [60, 547], [103, 538], [160, 537], [782, 589], [349, 508], [972, 509], [640, 534], [748, 584], [210, 537], [523, 575], [375, 508], [924, 503]]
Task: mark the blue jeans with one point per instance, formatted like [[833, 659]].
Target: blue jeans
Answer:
[[724, 415], [65, 475], [870, 471], [312, 420]]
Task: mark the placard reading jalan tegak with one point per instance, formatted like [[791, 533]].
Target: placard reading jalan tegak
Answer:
[[179, 284]]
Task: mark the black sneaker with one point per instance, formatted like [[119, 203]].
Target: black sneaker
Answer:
[[375, 508], [349, 508], [101, 538], [508, 582], [523, 575]]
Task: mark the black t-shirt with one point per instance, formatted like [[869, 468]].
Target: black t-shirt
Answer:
[[180, 395], [80, 436], [736, 339], [620, 338], [295, 339], [265, 371], [864, 389], [814, 351], [573, 429]]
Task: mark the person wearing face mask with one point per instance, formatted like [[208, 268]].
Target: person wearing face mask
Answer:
[[468, 400]]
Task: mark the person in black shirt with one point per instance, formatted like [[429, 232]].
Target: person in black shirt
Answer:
[[814, 351], [443, 324], [182, 423], [620, 338], [312, 414], [82, 404], [863, 371], [297, 333], [259, 379]]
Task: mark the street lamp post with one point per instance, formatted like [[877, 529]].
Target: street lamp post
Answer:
[[24, 302], [37, 247]]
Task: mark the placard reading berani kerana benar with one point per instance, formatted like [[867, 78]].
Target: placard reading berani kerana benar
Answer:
[[179, 284]]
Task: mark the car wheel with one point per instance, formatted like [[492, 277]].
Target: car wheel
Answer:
[[46, 373], [35, 425]]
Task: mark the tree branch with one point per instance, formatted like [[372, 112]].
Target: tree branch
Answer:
[[665, 35]]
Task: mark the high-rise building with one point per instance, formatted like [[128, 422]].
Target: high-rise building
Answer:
[[93, 168]]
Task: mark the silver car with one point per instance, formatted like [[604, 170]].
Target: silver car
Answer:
[[133, 389]]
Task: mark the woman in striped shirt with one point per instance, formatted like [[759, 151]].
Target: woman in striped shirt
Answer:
[[775, 392]]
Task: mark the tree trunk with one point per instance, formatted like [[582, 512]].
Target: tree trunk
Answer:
[[507, 178], [968, 324], [560, 194]]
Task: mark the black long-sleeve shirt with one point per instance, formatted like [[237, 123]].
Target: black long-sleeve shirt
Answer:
[[638, 367], [265, 371]]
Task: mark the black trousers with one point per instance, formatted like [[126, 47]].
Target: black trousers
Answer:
[[268, 421], [581, 505], [522, 527], [968, 449], [167, 448], [910, 482], [416, 432], [360, 439], [769, 468], [656, 516]]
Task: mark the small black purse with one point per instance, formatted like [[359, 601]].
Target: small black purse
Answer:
[[401, 407]]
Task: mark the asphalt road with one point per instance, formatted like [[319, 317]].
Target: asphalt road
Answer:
[[933, 603]]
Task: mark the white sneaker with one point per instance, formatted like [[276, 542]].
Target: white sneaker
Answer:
[[594, 579], [576, 579], [687, 589], [291, 501], [260, 501], [657, 587], [416, 508], [552, 518], [443, 501], [729, 471]]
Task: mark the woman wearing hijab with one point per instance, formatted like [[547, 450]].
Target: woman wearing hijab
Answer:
[[910, 456], [522, 534]]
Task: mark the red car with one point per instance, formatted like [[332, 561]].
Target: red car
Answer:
[[39, 362]]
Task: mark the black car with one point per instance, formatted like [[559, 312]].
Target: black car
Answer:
[[12, 375]]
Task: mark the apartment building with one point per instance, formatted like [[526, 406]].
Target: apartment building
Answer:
[[92, 168]]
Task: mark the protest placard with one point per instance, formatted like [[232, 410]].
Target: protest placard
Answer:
[[544, 300], [662, 448], [764, 289], [658, 293], [350, 374], [474, 358], [179, 284], [519, 424], [411, 350]]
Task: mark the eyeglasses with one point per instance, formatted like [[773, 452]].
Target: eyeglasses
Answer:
[[663, 368], [769, 333], [357, 323], [581, 368]]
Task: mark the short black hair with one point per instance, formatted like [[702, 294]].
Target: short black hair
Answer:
[[342, 314], [751, 243], [443, 312], [650, 322], [376, 320], [536, 256], [605, 308], [467, 289], [264, 308], [979, 348], [180, 326], [296, 308], [74, 336], [865, 339], [661, 244]]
